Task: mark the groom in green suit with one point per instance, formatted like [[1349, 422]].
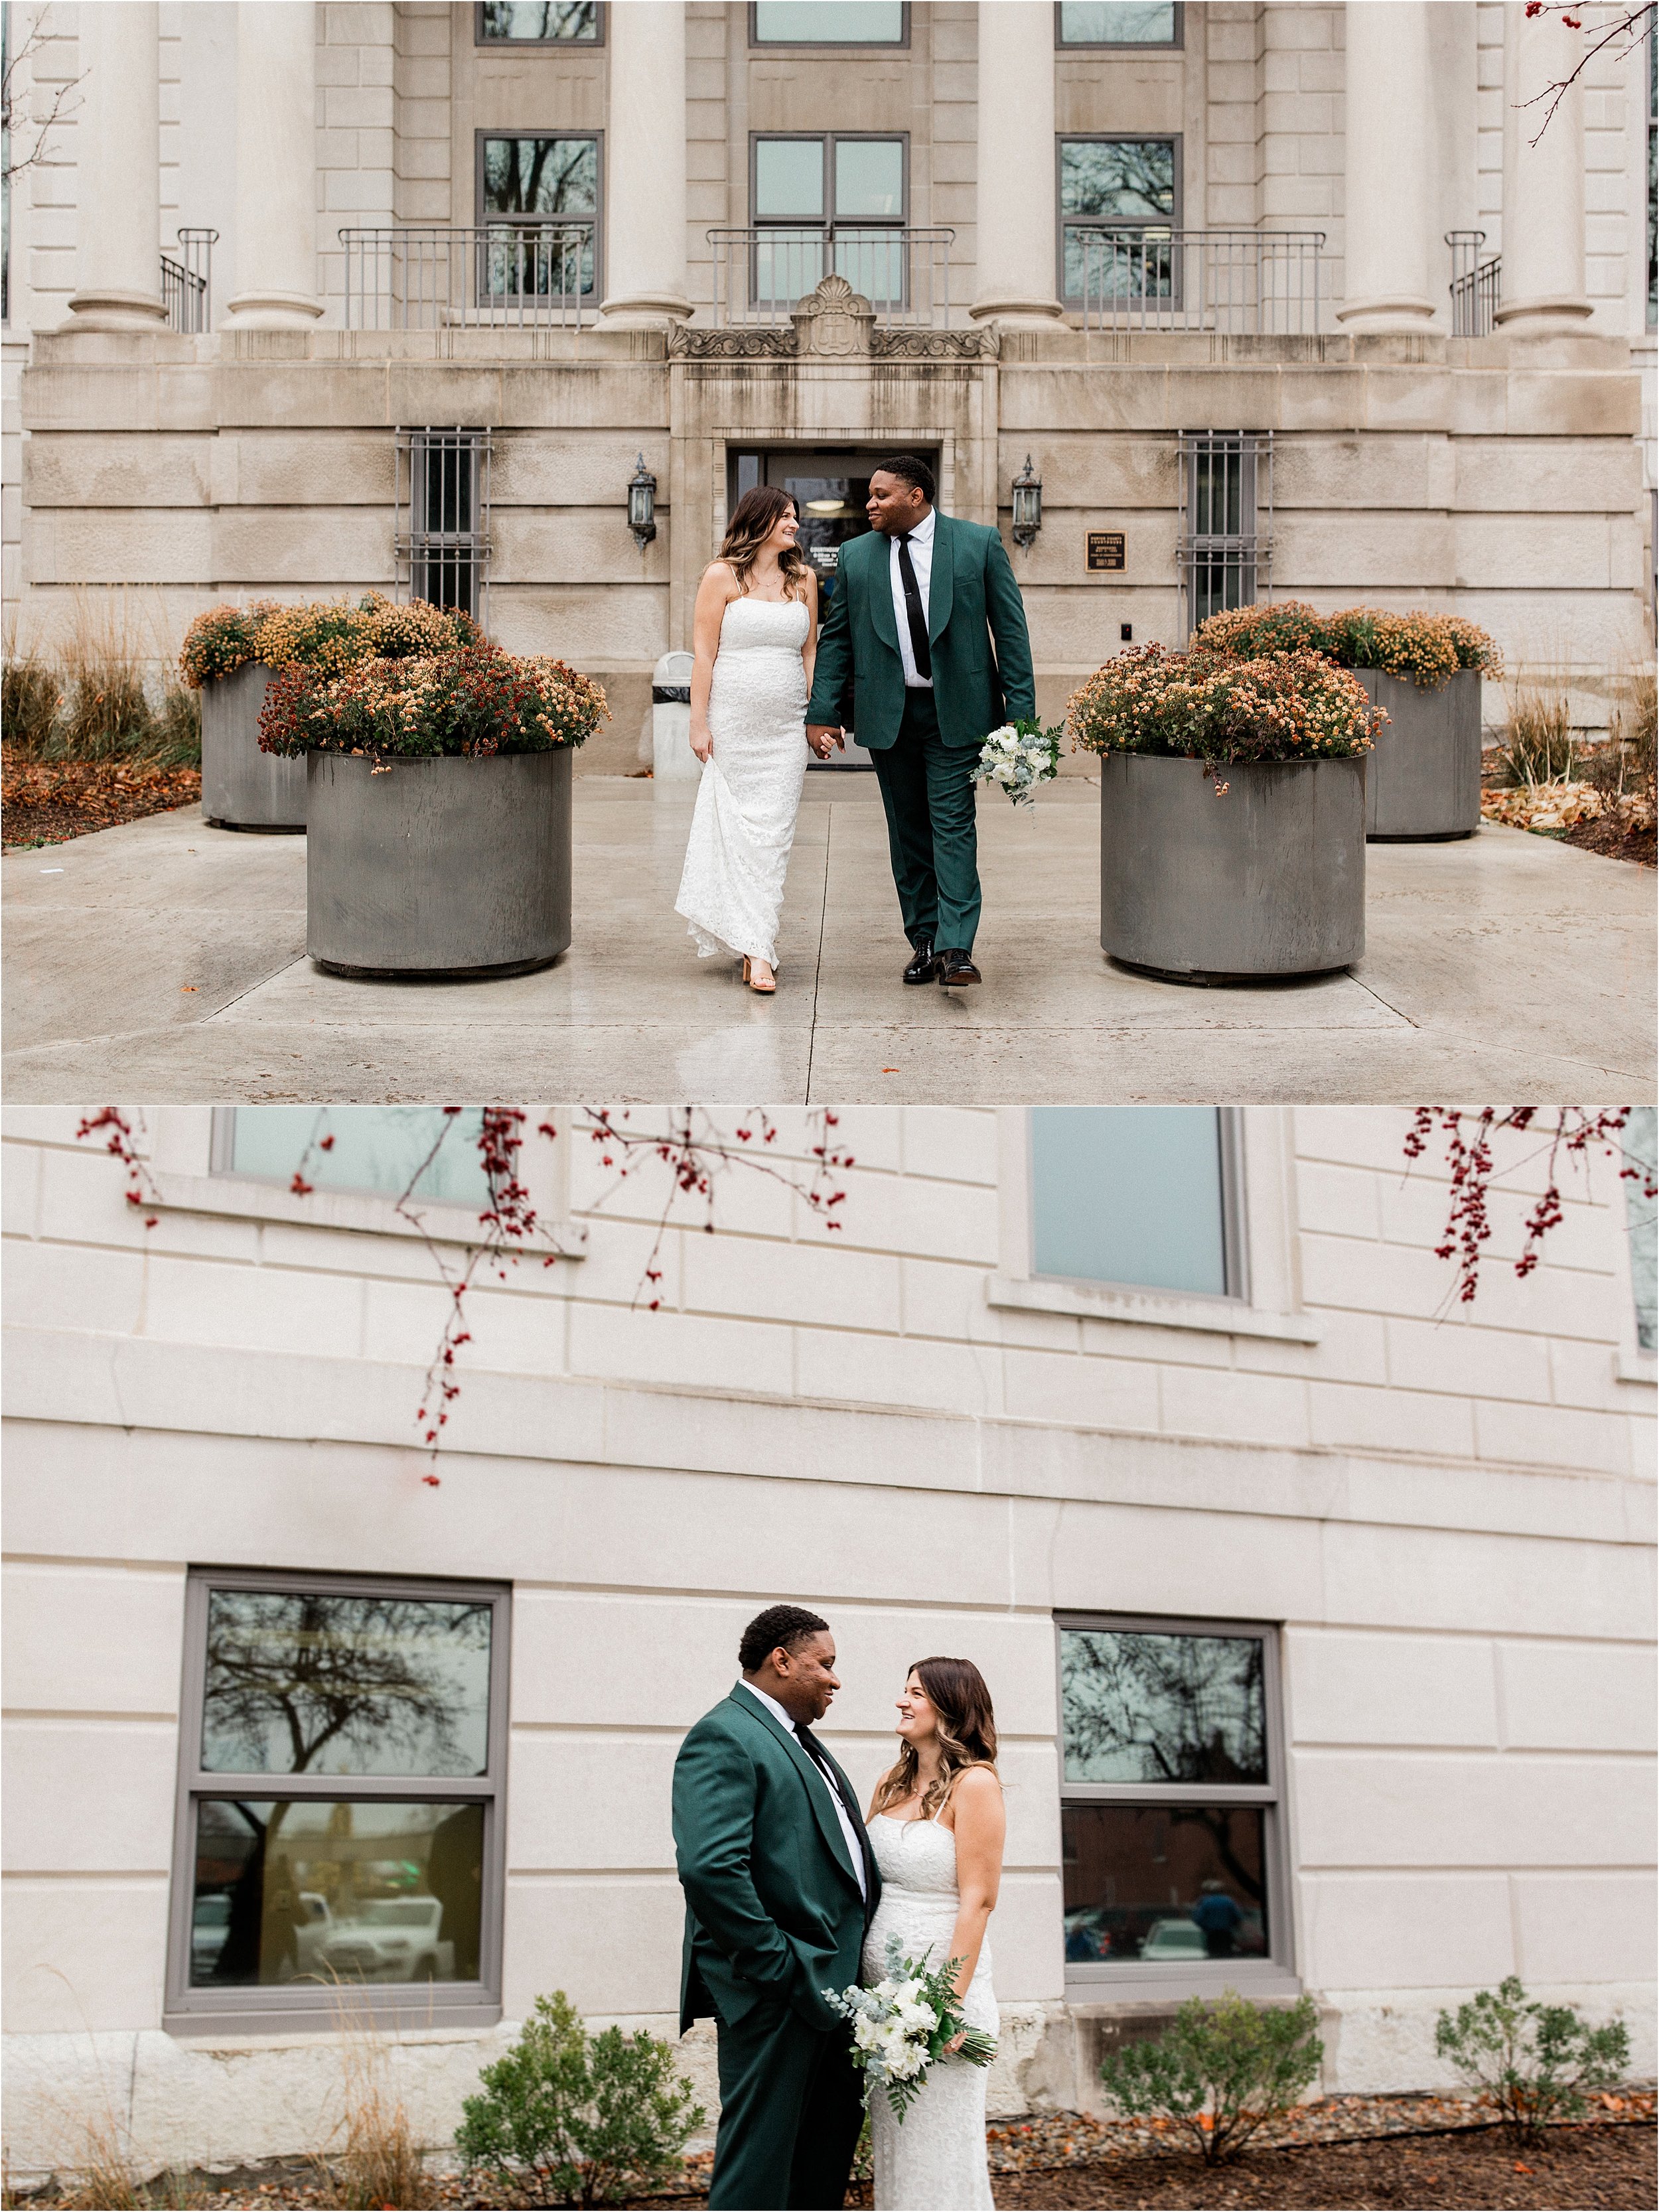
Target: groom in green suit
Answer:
[[924, 651], [780, 1885]]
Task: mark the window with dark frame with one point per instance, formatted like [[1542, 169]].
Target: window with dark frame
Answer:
[[828, 200], [1171, 1790], [1641, 1149], [829, 22], [1111, 23], [341, 1800], [1139, 1197], [538, 204], [1653, 176], [538, 22], [1134, 185], [440, 518]]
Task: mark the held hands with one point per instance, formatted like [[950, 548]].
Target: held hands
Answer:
[[821, 736]]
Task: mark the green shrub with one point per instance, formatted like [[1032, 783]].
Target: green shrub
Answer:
[[29, 700], [580, 2120], [1532, 2061], [1222, 2071]]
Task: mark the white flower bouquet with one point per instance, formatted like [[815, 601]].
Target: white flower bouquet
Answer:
[[901, 2027], [1017, 757]]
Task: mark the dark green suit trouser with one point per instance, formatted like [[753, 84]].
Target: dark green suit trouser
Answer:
[[927, 789], [791, 2109]]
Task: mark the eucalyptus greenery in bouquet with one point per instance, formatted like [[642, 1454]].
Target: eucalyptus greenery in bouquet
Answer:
[[1017, 757], [901, 2027]]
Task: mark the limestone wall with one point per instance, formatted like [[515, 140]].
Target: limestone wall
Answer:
[[1449, 1517]]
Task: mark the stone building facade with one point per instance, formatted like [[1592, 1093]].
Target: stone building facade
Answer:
[[958, 1423], [1277, 184]]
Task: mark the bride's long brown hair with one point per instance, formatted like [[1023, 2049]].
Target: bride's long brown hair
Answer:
[[967, 1735], [754, 519]]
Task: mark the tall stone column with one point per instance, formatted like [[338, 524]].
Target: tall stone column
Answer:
[[275, 167], [1543, 276], [118, 153], [1014, 212], [644, 165], [1392, 194]]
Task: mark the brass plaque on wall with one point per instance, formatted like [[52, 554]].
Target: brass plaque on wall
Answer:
[[1105, 549]]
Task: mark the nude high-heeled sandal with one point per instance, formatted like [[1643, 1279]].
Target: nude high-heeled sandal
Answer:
[[765, 989]]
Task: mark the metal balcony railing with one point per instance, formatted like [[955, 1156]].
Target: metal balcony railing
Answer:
[[187, 283], [1141, 276], [761, 274], [422, 277], [1476, 285]]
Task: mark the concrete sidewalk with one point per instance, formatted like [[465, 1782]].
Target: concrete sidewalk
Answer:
[[165, 961]]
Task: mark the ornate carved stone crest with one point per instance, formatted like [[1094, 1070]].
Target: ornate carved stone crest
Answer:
[[833, 322]]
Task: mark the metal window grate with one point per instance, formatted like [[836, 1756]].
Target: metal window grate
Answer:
[[440, 520], [1225, 549]]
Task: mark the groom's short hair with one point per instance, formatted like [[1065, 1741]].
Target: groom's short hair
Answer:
[[909, 470], [786, 1625]]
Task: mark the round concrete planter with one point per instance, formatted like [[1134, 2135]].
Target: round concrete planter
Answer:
[[1423, 782], [1269, 880], [243, 788], [433, 869]]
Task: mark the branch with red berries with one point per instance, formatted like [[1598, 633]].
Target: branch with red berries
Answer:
[[1568, 1135], [1632, 27]]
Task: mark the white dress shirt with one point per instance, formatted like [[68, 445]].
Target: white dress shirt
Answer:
[[854, 1847], [921, 560]]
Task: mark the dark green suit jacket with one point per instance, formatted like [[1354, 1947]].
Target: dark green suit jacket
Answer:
[[772, 1908], [972, 605]]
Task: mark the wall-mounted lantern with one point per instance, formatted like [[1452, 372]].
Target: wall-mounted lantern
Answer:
[[1028, 504], [643, 504]]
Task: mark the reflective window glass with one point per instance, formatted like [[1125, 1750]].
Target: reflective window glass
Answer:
[[1640, 1211], [329, 1891], [869, 178], [378, 1149], [1129, 1195], [788, 177], [1142, 1707], [540, 177], [1168, 1886], [1117, 23], [829, 22], [1118, 179], [319, 1682], [541, 22]]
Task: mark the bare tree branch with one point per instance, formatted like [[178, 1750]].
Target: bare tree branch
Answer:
[[1635, 24], [42, 125]]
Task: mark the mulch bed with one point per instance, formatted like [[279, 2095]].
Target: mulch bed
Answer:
[[1387, 2151], [1615, 841], [45, 802]]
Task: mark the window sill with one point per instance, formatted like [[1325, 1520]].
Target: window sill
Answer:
[[1110, 1986], [1635, 1367], [243, 1198], [261, 2029], [1219, 1316]]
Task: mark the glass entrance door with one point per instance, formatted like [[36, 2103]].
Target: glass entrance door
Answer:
[[830, 485]]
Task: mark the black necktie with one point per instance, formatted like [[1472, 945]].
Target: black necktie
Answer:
[[912, 609], [815, 1751]]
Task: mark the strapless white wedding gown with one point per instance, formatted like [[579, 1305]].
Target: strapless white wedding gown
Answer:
[[732, 889], [935, 2161]]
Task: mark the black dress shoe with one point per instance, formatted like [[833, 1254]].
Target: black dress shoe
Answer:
[[924, 962], [955, 967]]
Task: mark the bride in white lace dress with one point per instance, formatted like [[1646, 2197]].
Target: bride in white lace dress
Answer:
[[936, 1826], [755, 637]]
